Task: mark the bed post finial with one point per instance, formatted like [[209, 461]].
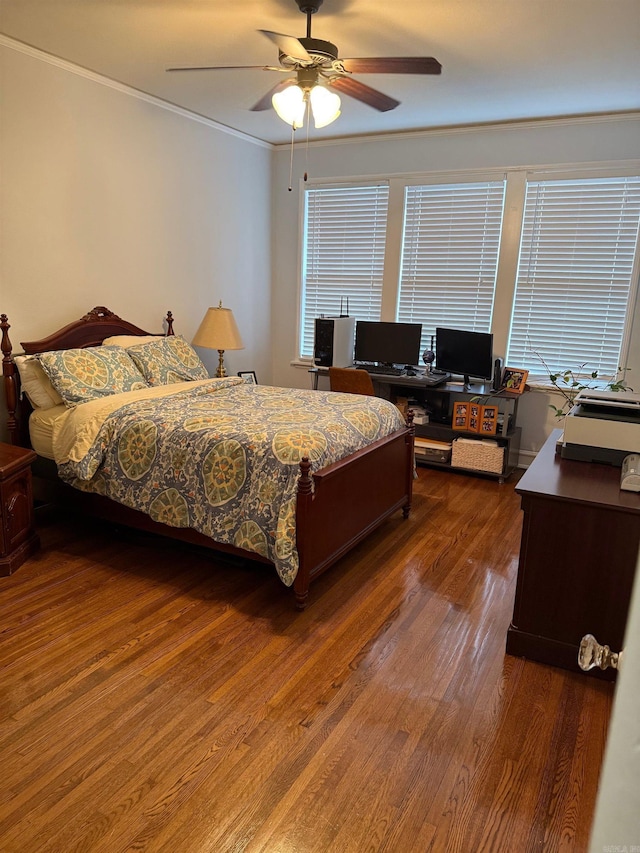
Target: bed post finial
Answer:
[[304, 483], [10, 381], [6, 343], [169, 319]]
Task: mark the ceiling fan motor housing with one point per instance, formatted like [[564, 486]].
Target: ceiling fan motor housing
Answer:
[[309, 7], [321, 53]]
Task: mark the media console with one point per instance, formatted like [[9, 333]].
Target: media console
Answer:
[[439, 400]]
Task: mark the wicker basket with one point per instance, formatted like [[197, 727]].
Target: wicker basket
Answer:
[[477, 455]]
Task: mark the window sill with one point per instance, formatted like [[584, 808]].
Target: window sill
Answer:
[[542, 385]]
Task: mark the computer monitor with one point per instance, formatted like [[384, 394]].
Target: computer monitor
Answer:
[[387, 343], [465, 353]]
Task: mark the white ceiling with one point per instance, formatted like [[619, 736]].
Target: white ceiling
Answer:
[[502, 59]]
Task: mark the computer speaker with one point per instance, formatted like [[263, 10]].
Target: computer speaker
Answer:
[[497, 374]]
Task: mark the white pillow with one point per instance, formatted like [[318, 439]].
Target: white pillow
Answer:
[[129, 340], [36, 384]]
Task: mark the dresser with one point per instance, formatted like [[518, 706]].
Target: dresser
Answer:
[[578, 554]]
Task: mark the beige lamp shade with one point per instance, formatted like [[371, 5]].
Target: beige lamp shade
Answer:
[[218, 330]]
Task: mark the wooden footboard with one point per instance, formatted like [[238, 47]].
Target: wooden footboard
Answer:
[[348, 500]]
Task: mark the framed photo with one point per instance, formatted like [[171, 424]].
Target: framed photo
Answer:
[[475, 414], [488, 420], [514, 380], [460, 419], [249, 376]]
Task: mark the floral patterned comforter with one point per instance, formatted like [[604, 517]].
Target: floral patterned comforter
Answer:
[[221, 456]]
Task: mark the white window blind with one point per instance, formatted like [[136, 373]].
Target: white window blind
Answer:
[[343, 254], [450, 249], [579, 240]]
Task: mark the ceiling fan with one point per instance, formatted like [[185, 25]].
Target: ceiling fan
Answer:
[[318, 68]]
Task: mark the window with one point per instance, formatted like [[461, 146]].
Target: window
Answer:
[[450, 249], [575, 272], [546, 261], [343, 254]]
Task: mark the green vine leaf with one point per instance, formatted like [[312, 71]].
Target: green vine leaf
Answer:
[[575, 384]]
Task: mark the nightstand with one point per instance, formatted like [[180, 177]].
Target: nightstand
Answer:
[[18, 539]]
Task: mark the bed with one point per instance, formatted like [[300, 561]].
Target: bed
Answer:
[[351, 457]]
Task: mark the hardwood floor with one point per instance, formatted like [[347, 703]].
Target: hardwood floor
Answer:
[[155, 697]]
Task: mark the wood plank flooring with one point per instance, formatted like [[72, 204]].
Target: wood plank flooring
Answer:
[[156, 697]]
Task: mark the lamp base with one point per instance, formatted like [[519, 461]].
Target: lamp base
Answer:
[[220, 372]]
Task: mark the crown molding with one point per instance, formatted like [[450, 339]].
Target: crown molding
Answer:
[[100, 79], [486, 127]]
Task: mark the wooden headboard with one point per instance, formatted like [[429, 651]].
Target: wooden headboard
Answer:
[[88, 331]]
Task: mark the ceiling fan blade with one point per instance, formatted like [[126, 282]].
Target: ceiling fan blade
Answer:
[[372, 97], [393, 65], [265, 101], [288, 45], [219, 68]]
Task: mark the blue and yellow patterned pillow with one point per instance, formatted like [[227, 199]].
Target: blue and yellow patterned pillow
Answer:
[[168, 360], [79, 375]]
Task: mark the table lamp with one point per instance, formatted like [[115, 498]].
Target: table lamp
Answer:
[[218, 330]]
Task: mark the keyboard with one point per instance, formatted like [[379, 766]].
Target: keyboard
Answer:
[[381, 370]]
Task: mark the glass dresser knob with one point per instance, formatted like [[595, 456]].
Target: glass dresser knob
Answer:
[[592, 654]]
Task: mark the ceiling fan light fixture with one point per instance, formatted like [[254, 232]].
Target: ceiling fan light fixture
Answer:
[[290, 105], [325, 106]]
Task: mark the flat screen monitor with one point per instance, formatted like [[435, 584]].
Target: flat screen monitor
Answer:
[[388, 343], [465, 353]]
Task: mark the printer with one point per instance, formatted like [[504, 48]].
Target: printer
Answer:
[[602, 426]]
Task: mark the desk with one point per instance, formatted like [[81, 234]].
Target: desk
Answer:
[[316, 372], [438, 401], [578, 554]]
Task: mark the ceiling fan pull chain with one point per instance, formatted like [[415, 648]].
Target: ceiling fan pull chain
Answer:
[[293, 130], [306, 151]]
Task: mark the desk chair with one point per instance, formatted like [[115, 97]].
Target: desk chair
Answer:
[[350, 381]]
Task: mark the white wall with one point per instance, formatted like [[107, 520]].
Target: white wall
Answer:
[[517, 145], [107, 198]]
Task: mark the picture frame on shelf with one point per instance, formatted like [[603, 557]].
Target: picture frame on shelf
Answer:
[[460, 418], [249, 376], [475, 416], [488, 420], [514, 379]]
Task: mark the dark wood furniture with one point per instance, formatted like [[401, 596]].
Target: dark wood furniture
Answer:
[[578, 554], [337, 506], [18, 539]]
